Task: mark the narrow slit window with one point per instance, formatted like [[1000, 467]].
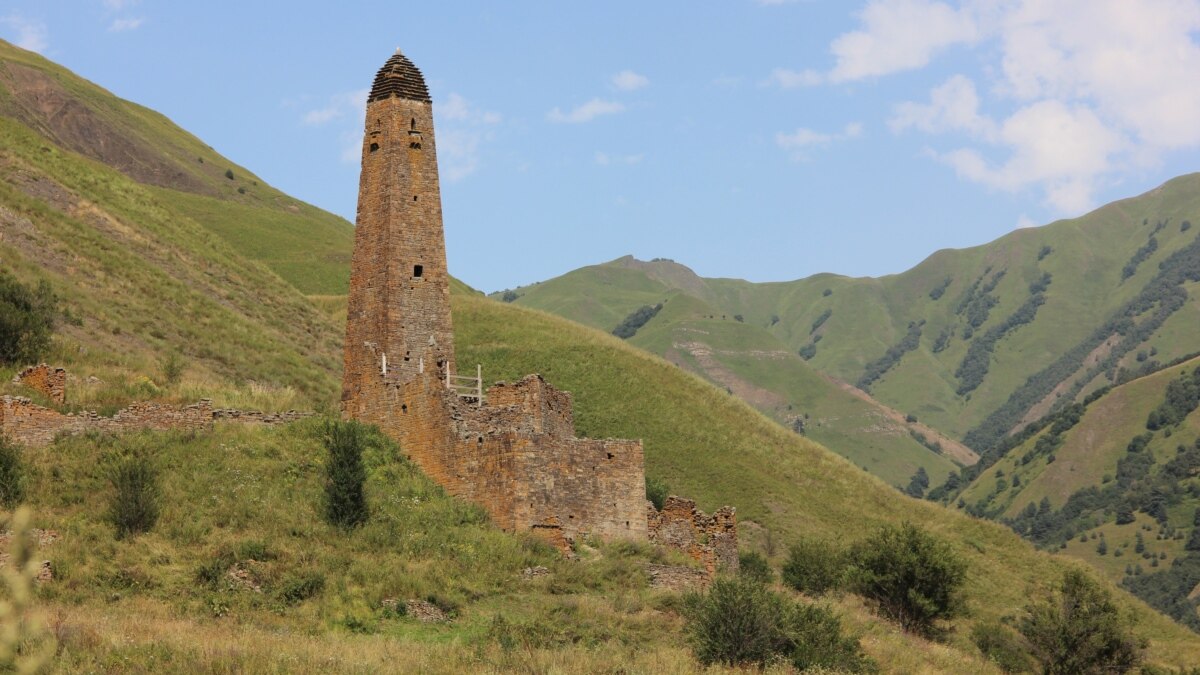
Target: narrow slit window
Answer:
[[418, 270]]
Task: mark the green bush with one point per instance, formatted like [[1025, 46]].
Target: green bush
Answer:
[[814, 566], [742, 622], [12, 474], [134, 505], [914, 577], [172, 368], [1079, 629], [26, 320], [345, 474], [754, 566], [657, 491], [301, 586], [1002, 646]]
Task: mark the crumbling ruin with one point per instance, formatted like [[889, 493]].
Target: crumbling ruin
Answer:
[[511, 449], [48, 380]]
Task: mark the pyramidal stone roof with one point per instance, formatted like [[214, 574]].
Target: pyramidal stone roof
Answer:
[[399, 77]]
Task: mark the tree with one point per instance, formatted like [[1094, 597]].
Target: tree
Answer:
[[1080, 630], [918, 484], [345, 474], [657, 491], [12, 474], [1193, 542], [135, 502], [26, 319], [914, 577]]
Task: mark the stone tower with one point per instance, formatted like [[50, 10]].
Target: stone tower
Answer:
[[399, 305], [511, 449]]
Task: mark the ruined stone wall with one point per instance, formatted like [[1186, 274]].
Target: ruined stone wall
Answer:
[[710, 540], [46, 379], [33, 425]]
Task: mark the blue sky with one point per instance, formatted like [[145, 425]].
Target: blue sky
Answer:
[[761, 139]]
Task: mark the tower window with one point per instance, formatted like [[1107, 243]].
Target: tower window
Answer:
[[374, 147], [417, 270]]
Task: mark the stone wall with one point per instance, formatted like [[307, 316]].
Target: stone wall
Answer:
[[27, 423], [709, 540], [46, 379]]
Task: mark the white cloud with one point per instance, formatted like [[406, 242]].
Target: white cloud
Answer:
[[119, 25], [586, 112], [605, 159], [118, 5], [802, 139], [463, 129], [26, 33], [347, 103], [627, 80], [953, 106], [1024, 221], [1079, 93], [899, 35], [791, 79]]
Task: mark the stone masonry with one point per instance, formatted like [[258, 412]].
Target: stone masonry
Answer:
[[709, 540], [27, 423], [512, 450], [46, 379]]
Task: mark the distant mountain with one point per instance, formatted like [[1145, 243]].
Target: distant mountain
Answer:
[[750, 360], [976, 342]]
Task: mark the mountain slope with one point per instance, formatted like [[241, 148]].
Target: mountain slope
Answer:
[[975, 341], [1113, 470], [183, 175], [748, 361]]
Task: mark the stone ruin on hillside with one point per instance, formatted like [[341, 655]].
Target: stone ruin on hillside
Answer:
[[511, 448]]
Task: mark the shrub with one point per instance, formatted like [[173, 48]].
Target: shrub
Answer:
[[1002, 646], [301, 586], [12, 474], [657, 491], [740, 622], [345, 474], [172, 368], [814, 566], [1080, 630], [229, 174], [914, 577], [134, 505], [26, 320], [754, 566], [509, 296]]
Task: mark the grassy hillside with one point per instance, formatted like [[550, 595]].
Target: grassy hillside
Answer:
[[998, 334], [750, 362], [1111, 474], [184, 176]]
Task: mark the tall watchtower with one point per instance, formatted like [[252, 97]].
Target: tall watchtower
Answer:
[[399, 305]]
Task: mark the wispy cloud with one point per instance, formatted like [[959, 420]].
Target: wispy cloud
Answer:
[[118, 5], [585, 112], [26, 33], [120, 25], [606, 159], [627, 80], [339, 105], [463, 131], [791, 79], [800, 141]]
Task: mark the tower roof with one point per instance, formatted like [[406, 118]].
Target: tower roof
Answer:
[[399, 77]]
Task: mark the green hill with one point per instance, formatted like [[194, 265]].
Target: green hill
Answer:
[[750, 361], [1112, 471], [242, 574], [975, 341]]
